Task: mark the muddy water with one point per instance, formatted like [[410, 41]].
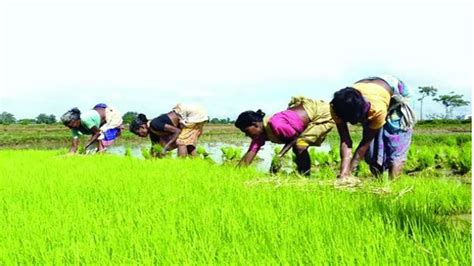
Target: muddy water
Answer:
[[263, 160]]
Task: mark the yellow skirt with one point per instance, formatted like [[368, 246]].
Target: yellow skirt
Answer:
[[190, 134]]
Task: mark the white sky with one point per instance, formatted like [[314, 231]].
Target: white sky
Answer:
[[229, 57]]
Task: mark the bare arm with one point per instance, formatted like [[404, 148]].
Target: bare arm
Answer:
[[95, 135], [247, 158], [367, 137], [74, 145], [345, 149], [254, 147], [175, 133], [287, 147]]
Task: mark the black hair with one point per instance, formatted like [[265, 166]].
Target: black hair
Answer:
[[246, 118], [349, 105], [137, 122], [73, 114]]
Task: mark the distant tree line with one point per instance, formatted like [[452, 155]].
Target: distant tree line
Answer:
[[129, 116], [7, 118], [221, 121]]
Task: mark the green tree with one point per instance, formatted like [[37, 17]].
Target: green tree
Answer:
[[128, 117], [45, 119], [52, 119], [26, 121], [7, 118], [214, 120], [450, 101], [425, 92]]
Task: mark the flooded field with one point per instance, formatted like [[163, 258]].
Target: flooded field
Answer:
[[262, 162]]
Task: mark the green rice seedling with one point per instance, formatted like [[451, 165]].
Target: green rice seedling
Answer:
[[128, 151], [412, 163], [285, 164], [168, 212], [446, 140], [146, 153], [311, 152], [231, 154], [465, 160], [439, 196], [460, 159], [334, 156], [455, 158], [441, 156], [362, 169], [320, 158], [327, 173], [237, 153], [277, 162], [426, 158], [451, 152], [202, 153], [293, 157], [440, 139], [81, 149], [158, 150], [464, 138], [450, 158], [277, 150]]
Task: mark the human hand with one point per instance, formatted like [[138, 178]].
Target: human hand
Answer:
[[276, 165], [162, 154]]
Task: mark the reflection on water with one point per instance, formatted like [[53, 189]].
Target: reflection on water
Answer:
[[214, 149]]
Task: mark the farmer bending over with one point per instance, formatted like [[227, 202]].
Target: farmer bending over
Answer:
[[305, 123], [103, 123], [380, 104], [180, 128]]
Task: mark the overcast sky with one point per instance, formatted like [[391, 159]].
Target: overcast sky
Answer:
[[146, 56]]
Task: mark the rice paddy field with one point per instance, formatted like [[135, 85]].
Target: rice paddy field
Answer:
[[121, 209]]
